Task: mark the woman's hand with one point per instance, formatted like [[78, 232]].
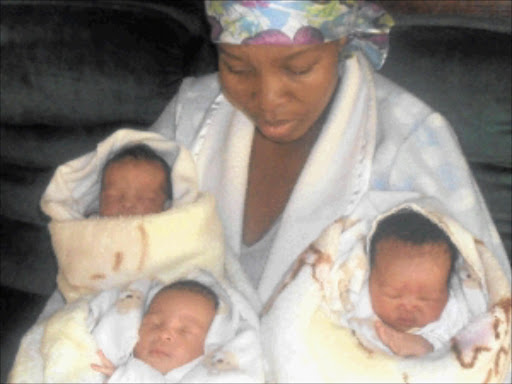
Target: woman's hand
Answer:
[[401, 343], [106, 367]]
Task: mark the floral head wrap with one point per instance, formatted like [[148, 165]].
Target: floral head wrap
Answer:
[[290, 22]]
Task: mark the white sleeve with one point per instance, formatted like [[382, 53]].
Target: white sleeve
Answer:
[[136, 371], [453, 318]]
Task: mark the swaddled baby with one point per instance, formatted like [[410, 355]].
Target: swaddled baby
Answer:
[[172, 333], [412, 288], [114, 212], [195, 329]]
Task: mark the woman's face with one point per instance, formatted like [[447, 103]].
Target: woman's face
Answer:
[[282, 89]]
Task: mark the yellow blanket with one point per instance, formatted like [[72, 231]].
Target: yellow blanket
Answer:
[[100, 253]]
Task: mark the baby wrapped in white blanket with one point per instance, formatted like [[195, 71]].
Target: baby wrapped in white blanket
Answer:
[[172, 348], [316, 329], [125, 243]]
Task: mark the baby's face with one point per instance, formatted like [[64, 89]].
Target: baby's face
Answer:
[[133, 187], [408, 283], [174, 329]]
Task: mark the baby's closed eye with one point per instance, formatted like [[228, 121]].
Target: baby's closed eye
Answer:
[[392, 295]]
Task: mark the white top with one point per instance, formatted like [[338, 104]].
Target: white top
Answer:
[[253, 258]]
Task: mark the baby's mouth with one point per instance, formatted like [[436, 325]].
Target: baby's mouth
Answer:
[[158, 352], [405, 322]]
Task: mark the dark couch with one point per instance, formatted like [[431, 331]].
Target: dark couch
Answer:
[[74, 71]]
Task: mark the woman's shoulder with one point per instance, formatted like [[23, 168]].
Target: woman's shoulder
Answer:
[[400, 111], [187, 108], [196, 94], [388, 92], [198, 88]]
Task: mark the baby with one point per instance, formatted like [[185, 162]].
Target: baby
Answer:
[[411, 267], [172, 333], [135, 181]]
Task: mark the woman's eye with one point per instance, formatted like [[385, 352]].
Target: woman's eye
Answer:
[[237, 70], [299, 71]]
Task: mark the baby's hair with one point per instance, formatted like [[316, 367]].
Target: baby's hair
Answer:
[[412, 227], [195, 287], [145, 153]]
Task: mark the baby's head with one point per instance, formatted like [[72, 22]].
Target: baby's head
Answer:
[[174, 328], [135, 181], [412, 260]]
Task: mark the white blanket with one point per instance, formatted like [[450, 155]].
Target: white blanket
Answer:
[[306, 341], [61, 348]]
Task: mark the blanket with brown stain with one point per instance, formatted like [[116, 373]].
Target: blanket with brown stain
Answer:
[[307, 343]]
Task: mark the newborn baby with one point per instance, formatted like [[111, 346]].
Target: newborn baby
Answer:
[[135, 181], [172, 333], [410, 285]]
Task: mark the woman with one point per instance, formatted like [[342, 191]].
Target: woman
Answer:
[[296, 126]]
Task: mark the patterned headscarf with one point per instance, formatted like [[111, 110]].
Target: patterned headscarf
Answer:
[[289, 22]]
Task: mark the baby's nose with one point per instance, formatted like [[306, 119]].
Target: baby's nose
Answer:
[[406, 307], [129, 205], [168, 334]]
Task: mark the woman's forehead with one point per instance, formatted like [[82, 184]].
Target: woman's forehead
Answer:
[[284, 52]]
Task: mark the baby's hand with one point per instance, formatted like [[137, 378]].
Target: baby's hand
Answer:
[[401, 343], [106, 367]]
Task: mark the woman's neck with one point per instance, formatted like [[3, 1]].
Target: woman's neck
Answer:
[[274, 169]]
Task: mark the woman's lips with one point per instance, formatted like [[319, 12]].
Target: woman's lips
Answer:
[[277, 125]]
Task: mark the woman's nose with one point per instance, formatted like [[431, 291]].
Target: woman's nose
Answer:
[[270, 95]]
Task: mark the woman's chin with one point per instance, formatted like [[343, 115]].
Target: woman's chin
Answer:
[[281, 133]]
